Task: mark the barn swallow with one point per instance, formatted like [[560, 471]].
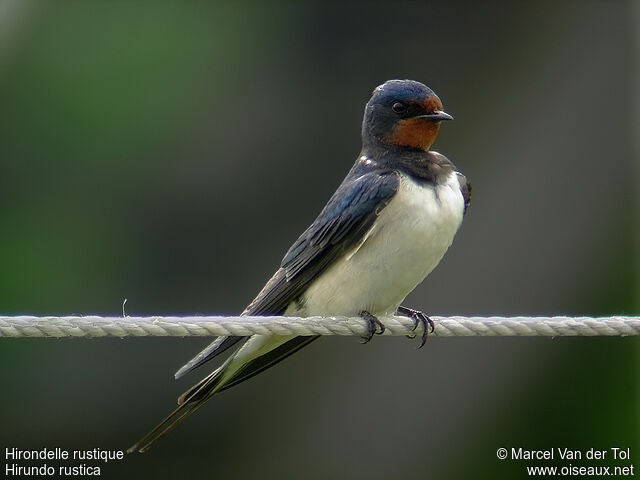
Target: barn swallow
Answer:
[[382, 232]]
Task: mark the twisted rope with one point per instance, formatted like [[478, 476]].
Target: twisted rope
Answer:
[[95, 326]]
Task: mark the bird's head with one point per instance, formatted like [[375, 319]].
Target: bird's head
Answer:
[[403, 113]]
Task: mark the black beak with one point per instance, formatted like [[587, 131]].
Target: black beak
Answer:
[[437, 116]]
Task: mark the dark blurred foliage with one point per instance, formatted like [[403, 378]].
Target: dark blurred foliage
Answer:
[[169, 153]]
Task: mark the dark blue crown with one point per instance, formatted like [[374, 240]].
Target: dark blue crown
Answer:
[[400, 90]]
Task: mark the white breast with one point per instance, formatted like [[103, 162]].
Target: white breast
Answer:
[[406, 243]]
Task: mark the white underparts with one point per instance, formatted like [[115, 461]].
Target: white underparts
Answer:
[[405, 244]]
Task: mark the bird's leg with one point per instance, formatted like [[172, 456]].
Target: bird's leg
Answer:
[[419, 318], [372, 326]]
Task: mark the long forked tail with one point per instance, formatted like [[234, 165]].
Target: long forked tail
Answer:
[[187, 404], [258, 354]]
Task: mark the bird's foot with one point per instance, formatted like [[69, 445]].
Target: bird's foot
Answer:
[[419, 318], [374, 326]]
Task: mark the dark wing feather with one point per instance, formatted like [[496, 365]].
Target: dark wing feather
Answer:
[[465, 188], [347, 217], [349, 214], [215, 348]]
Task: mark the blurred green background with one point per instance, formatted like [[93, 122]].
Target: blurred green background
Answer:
[[170, 152]]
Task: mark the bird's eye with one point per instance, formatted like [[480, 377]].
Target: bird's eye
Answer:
[[398, 107]]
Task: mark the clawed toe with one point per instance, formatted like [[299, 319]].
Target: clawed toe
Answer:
[[374, 326], [419, 318]]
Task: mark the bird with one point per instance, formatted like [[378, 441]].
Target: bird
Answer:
[[381, 233]]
